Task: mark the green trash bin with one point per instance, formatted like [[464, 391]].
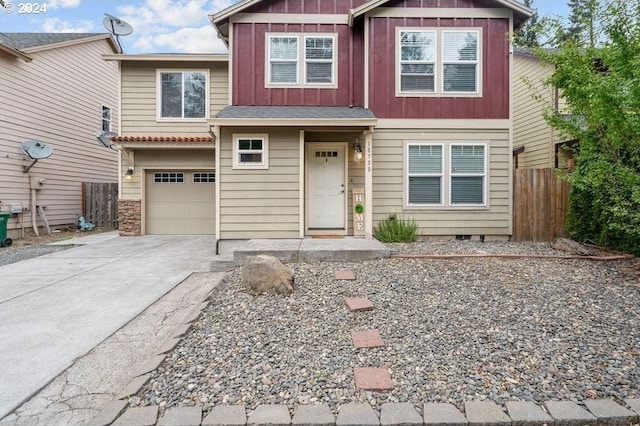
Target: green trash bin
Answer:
[[4, 218]]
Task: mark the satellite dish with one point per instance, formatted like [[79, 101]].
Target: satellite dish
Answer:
[[35, 150], [104, 138], [117, 27]]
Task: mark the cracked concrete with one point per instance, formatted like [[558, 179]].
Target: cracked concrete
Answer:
[[78, 394]]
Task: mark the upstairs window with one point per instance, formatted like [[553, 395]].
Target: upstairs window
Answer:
[[438, 62], [106, 119], [301, 60], [417, 61], [182, 94], [283, 60], [460, 61]]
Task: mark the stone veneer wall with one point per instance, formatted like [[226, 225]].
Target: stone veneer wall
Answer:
[[130, 217]]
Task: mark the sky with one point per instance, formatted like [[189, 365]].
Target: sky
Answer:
[[160, 26]]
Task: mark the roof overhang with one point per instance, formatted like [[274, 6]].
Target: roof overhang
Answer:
[[293, 122], [164, 142], [98, 37], [168, 57], [15, 52], [521, 12]]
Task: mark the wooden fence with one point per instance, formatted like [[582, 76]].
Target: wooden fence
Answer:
[[100, 203], [540, 205]]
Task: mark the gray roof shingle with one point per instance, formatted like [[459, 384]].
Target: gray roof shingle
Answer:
[[27, 40], [295, 112]]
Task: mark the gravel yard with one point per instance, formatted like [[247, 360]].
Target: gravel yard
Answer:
[[523, 329]]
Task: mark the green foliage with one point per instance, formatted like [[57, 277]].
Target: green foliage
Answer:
[[394, 230], [601, 86]]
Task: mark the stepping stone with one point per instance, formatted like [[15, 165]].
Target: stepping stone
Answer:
[[525, 413], [374, 379], [313, 415], [269, 415], [367, 339], [182, 416], [443, 414], [138, 416], [355, 414], [610, 413], [481, 413], [634, 404], [344, 275], [226, 415], [396, 414], [109, 413], [358, 304], [567, 413]]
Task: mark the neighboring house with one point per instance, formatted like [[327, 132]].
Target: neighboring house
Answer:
[[536, 144], [406, 101], [56, 89]]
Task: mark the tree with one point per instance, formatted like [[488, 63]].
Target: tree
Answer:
[[601, 86], [583, 18], [537, 31]]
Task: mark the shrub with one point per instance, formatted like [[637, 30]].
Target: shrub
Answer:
[[396, 230]]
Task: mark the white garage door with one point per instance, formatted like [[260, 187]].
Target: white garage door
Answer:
[[180, 202]]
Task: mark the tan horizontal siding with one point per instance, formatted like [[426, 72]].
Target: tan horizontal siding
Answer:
[[389, 182], [139, 98], [166, 159], [261, 203], [57, 99], [530, 128]]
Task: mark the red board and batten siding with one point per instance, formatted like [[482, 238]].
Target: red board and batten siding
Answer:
[[249, 43], [439, 3], [494, 103], [306, 6]]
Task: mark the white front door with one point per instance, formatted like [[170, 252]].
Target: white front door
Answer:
[[326, 186]]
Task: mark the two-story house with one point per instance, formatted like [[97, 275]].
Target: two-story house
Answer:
[[406, 102], [54, 89], [539, 144]]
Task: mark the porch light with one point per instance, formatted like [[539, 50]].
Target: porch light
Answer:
[[129, 174], [358, 150]]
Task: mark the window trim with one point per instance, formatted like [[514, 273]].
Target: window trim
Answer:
[[439, 63], [159, 72], [446, 176], [301, 62], [264, 165], [109, 120], [441, 175], [401, 62]]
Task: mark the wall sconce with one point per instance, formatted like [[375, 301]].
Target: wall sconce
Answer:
[[129, 174], [358, 150]]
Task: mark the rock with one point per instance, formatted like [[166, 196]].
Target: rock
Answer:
[[265, 274], [571, 247]]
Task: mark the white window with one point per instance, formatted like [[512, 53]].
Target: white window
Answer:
[[204, 177], [168, 177], [106, 119], [417, 61], [460, 61], [468, 165], [183, 94], [446, 174], [432, 62], [296, 60], [283, 60], [318, 56], [425, 167], [250, 152]]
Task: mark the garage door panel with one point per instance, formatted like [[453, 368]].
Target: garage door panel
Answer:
[[178, 207]]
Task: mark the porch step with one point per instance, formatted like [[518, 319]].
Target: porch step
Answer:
[[307, 250]]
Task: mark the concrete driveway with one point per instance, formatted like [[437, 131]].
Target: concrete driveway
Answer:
[[56, 308]]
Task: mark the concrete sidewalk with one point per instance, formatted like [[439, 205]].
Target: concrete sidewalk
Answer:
[[56, 308]]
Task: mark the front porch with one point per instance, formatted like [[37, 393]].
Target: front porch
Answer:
[[234, 252]]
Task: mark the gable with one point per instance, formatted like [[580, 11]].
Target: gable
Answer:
[[357, 8]]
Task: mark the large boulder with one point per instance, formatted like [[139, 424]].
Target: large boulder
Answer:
[[265, 274], [572, 247]]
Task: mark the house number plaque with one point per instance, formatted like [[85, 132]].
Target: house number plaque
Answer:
[[358, 211]]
